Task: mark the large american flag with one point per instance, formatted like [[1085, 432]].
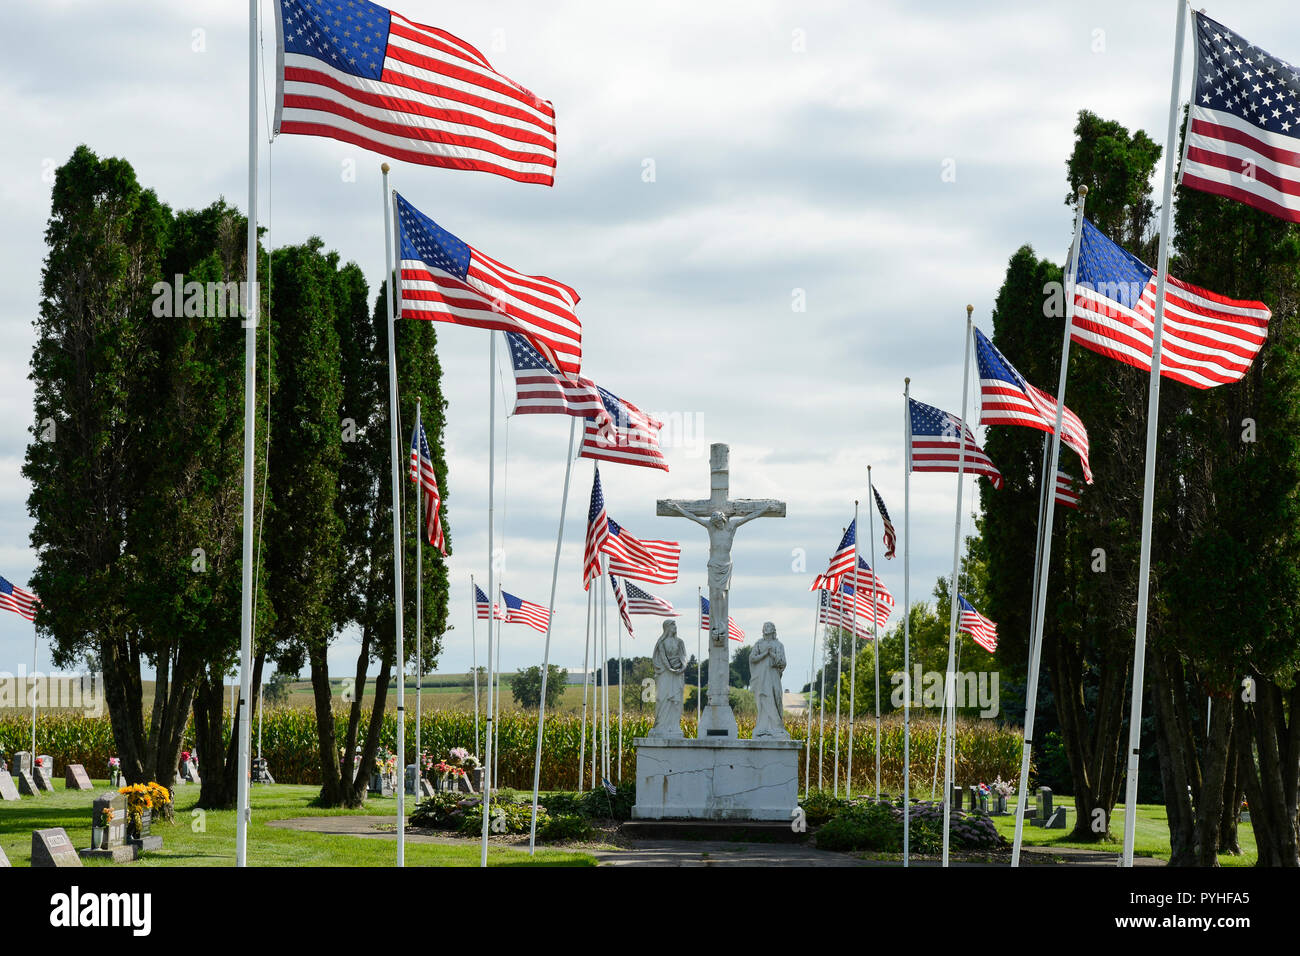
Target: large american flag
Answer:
[[642, 602], [622, 545], [1243, 137], [444, 279], [13, 598], [1206, 339], [481, 606], [976, 625], [935, 447], [841, 561], [354, 71], [867, 584], [519, 611], [1065, 491], [540, 389], [621, 598], [597, 533], [836, 609], [1007, 399], [422, 474], [891, 539], [667, 556], [636, 435], [734, 630]]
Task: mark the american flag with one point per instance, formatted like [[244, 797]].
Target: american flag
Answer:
[[1065, 491], [976, 625], [519, 611], [891, 539], [422, 474], [641, 602], [667, 555], [597, 534], [1243, 138], [540, 389], [841, 562], [836, 609], [935, 448], [623, 546], [734, 630], [481, 606], [1007, 399], [866, 584], [354, 71], [636, 435], [1205, 340], [444, 279], [13, 598], [621, 598]]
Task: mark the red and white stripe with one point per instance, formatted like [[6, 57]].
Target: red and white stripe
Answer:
[[535, 616], [734, 631], [667, 556], [21, 602], [1065, 492], [837, 610], [642, 602], [437, 102], [934, 453], [1002, 403], [1222, 149], [621, 598], [984, 631], [622, 545], [870, 591], [635, 442]]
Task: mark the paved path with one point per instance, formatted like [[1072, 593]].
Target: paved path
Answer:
[[701, 852]]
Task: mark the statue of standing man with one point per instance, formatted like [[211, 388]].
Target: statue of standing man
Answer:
[[766, 667], [669, 661]]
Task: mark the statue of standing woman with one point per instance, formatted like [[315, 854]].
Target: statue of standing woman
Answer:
[[766, 667], [669, 661]]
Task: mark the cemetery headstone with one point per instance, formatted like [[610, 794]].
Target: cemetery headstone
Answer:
[[43, 772], [1000, 805], [955, 797], [8, 790], [108, 829], [4, 860], [22, 761], [27, 784], [262, 771], [190, 772], [1043, 812], [1056, 820], [53, 848], [76, 778]]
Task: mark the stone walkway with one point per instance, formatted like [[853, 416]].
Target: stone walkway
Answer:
[[703, 852]]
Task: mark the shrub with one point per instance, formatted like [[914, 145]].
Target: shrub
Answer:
[[820, 805], [868, 825], [515, 817], [599, 804], [863, 826], [508, 795], [564, 803], [566, 826], [442, 811]]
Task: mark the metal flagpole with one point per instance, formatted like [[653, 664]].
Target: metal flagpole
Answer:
[[492, 463], [604, 672], [821, 720], [398, 605], [251, 304], [622, 626], [1047, 487], [1149, 479], [586, 678], [421, 530], [907, 622], [699, 649], [812, 663], [949, 698], [875, 607], [546, 652], [496, 694], [853, 661], [35, 696], [259, 721], [839, 667], [473, 643]]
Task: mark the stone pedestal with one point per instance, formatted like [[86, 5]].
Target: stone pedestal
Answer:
[[716, 778]]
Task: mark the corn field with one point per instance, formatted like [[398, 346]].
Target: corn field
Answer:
[[983, 752]]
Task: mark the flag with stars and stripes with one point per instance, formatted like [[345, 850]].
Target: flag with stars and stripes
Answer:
[[667, 556], [1065, 491], [642, 602], [934, 445], [976, 625], [867, 586], [636, 435], [481, 606], [1243, 133], [734, 630], [354, 71], [1205, 340], [841, 562], [891, 539], [519, 611], [422, 474], [597, 533], [836, 609], [13, 598], [621, 544], [443, 279], [621, 597], [540, 389], [1007, 399]]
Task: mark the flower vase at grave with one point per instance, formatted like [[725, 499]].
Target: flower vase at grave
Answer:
[[99, 838]]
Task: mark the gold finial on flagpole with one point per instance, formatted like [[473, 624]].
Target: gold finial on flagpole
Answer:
[[383, 167]]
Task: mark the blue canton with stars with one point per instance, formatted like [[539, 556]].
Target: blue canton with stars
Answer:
[[423, 239], [1237, 77], [1110, 270], [524, 356], [993, 365], [928, 420], [349, 35], [597, 499]]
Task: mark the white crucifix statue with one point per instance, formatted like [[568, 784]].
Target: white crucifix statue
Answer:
[[720, 517]]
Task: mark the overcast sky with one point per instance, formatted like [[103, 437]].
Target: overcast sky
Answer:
[[799, 150]]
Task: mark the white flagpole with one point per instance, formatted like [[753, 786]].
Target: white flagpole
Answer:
[[1149, 479], [839, 667], [875, 607], [1048, 487], [398, 605], [907, 623], [251, 304], [812, 663], [546, 652], [821, 720], [622, 626], [473, 643], [699, 649], [586, 679], [949, 689], [853, 661], [604, 675], [420, 531], [496, 698], [492, 463], [35, 697]]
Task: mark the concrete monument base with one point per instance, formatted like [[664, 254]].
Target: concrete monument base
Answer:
[[716, 778]]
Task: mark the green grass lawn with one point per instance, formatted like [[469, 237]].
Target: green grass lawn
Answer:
[[208, 838], [1150, 833]]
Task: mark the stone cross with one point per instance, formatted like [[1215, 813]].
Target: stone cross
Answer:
[[720, 517]]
